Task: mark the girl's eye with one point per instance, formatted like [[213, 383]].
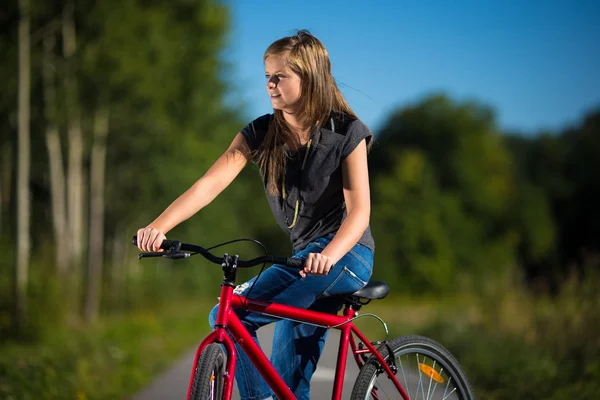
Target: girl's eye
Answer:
[[279, 76]]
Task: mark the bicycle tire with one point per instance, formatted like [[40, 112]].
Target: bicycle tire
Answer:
[[437, 366], [208, 378]]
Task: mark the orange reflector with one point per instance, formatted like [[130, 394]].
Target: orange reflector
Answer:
[[432, 373]]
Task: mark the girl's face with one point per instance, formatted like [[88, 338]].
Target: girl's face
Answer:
[[283, 85]]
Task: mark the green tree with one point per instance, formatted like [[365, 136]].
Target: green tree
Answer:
[[445, 179], [147, 82], [558, 174]]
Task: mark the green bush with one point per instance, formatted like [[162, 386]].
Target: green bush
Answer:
[[531, 347]]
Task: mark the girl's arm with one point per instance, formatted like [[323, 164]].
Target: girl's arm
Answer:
[[214, 181], [355, 176]]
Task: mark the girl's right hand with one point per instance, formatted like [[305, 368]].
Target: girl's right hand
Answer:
[[150, 239]]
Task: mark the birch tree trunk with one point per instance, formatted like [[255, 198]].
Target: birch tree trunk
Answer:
[[118, 269], [75, 168], [96, 245], [57, 177], [24, 166], [1, 197], [5, 185], [2, 184]]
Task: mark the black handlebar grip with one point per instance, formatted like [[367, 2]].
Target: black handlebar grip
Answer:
[[295, 263], [166, 244]]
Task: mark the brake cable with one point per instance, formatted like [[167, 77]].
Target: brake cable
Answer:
[[261, 269]]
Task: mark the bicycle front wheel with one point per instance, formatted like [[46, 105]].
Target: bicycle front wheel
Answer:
[[208, 378], [425, 369]]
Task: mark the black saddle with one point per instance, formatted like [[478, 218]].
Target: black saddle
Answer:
[[373, 290]]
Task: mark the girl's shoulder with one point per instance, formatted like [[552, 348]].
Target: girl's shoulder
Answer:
[[345, 131], [262, 123], [346, 125], [256, 130]]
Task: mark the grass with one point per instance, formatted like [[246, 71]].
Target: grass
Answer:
[[111, 360]]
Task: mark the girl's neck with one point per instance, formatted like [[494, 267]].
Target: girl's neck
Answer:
[[299, 126]]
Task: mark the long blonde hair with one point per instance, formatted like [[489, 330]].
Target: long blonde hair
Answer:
[[320, 96]]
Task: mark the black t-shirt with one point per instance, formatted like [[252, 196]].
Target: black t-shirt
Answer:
[[322, 207]]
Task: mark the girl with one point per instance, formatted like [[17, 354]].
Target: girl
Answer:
[[312, 154]]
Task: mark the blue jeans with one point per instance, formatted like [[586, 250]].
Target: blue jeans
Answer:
[[296, 346]]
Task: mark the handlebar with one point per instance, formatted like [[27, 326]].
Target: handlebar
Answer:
[[175, 249]]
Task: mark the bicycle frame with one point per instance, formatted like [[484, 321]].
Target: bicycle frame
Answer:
[[229, 324]]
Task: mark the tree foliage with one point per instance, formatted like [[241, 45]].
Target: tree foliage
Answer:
[[560, 173], [444, 174], [456, 201]]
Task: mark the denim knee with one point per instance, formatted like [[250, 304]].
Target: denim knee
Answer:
[[212, 316]]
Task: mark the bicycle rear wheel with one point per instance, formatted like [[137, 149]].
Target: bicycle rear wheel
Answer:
[[426, 370], [208, 378]]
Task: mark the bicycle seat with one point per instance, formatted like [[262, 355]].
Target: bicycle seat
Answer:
[[373, 290]]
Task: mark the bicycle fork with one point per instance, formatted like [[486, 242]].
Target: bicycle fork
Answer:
[[227, 321]]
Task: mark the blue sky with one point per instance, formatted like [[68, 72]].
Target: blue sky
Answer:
[[536, 63]]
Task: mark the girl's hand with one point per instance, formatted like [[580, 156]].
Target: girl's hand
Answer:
[[150, 239], [317, 264]]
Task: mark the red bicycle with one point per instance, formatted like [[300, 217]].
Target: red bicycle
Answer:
[[407, 367]]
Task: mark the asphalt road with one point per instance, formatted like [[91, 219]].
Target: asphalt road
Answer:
[[173, 384]]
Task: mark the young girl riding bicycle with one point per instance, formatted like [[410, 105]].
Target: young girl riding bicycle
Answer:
[[312, 155]]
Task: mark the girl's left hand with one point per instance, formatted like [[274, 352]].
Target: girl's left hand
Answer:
[[317, 264]]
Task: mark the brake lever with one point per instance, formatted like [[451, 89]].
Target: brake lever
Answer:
[[151, 254]]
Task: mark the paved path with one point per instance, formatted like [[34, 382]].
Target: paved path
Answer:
[[173, 384]]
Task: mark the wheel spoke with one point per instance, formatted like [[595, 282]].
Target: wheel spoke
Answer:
[[374, 393], [446, 389], [420, 378], [381, 389], [436, 383], [453, 390], [430, 379], [404, 376]]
